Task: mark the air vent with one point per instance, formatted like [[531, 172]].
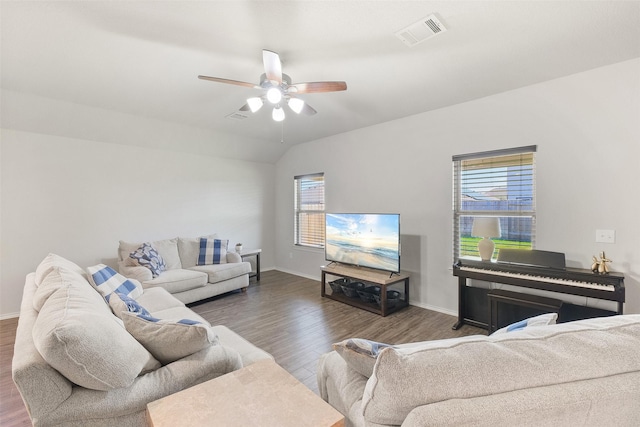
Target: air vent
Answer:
[[237, 116], [421, 30]]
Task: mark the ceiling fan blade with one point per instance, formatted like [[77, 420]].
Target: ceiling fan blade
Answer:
[[231, 82], [272, 66], [308, 110], [318, 87]]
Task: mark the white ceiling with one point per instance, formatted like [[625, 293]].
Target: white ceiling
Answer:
[[143, 57]]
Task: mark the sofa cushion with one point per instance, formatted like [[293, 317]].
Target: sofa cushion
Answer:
[[157, 298], [169, 340], [360, 354], [53, 260], [76, 333], [189, 249], [180, 280], [55, 278], [220, 272], [120, 303], [106, 280], [541, 320], [212, 251], [147, 256], [404, 379], [167, 248]]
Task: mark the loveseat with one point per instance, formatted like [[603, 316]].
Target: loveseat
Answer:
[[182, 275], [89, 352], [583, 373]]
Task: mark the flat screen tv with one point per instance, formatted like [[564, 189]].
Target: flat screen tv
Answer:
[[365, 240]]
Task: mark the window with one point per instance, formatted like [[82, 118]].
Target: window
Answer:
[[309, 210], [498, 184]]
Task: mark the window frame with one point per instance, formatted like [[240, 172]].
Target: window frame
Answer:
[[313, 236], [492, 158]]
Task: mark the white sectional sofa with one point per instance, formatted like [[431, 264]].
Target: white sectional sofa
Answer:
[[183, 278], [584, 373], [77, 363]]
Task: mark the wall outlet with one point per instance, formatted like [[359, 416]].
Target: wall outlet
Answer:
[[605, 236]]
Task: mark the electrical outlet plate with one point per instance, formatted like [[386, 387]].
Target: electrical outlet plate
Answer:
[[605, 236]]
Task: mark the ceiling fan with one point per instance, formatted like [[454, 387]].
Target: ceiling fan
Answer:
[[278, 90]]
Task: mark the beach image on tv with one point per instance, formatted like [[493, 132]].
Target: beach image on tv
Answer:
[[367, 240]]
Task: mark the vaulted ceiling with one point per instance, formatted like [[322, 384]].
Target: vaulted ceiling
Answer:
[[143, 57]]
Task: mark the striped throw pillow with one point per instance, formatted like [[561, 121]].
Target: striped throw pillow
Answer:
[[106, 280], [212, 251], [541, 320]]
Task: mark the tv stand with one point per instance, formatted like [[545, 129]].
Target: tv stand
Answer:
[[370, 277]]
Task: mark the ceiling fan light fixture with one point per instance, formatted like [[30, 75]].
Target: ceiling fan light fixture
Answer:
[[296, 104], [278, 114], [274, 95], [254, 104]]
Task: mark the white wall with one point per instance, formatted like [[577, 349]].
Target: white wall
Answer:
[[77, 198], [586, 127]]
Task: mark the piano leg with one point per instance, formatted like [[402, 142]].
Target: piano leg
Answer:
[[462, 287]]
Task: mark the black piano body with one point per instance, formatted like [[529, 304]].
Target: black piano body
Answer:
[[551, 276]]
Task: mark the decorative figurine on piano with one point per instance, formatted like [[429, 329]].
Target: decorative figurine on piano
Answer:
[[600, 265]]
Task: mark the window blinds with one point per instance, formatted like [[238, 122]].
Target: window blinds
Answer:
[[309, 210], [494, 184]]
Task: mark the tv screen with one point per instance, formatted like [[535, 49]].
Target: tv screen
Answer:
[[366, 240]]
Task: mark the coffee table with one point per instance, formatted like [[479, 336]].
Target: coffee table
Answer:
[[261, 394]]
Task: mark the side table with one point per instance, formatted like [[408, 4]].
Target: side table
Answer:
[[256, 253], [262, 393]]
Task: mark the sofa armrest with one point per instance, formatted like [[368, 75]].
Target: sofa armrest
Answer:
[[233, 257], [85, 404], [141, 274]]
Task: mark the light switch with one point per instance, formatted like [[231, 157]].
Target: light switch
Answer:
[[605, 236]]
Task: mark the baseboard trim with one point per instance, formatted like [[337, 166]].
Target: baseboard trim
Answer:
[[9, 316]]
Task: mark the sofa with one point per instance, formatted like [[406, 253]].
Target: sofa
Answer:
[[583, 373], [89, 352], [182, 276]]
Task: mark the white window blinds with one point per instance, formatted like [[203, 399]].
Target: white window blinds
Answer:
[[309, 210], [499, 184]]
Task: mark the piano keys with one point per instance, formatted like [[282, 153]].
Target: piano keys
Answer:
[[531, 269]]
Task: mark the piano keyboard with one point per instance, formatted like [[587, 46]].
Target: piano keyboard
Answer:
[[559, 281]]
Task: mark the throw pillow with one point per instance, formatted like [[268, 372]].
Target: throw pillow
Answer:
[[360, 354], [212, 251], [169, 340], [106, 280], [542, 320], [122, 303], [147, 256]]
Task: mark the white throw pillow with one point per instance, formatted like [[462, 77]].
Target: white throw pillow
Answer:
[[106, 280], [169, 340], [541, 320]]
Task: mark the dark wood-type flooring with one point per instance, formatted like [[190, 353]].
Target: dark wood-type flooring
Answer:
[[284, 315]]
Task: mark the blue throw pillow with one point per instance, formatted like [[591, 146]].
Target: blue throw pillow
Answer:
[[120, 302], [147, 256], [212, 251]]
